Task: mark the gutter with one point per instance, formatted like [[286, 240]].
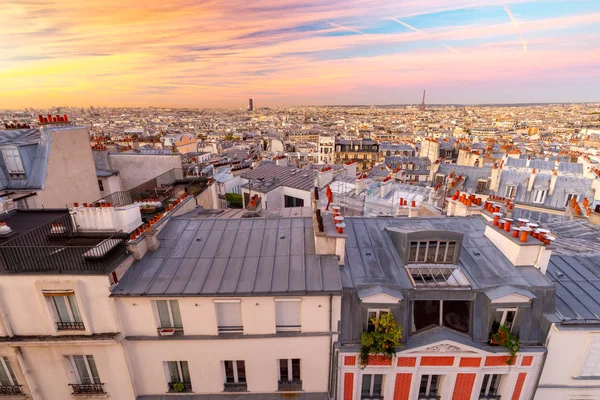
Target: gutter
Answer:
[[330, 378]]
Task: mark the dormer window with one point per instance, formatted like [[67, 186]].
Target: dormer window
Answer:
[[511, 191], [432, 252], [481, 186], [539, 196], [12, 160]]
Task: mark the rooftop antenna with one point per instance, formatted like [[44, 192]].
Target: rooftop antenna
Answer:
[[422, 108]]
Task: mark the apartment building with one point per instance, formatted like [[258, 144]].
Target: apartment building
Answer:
[[325, 149], [365, 152], [229, 304], [434, 149], [450, 284]]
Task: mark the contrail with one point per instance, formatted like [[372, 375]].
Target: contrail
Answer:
[[420, 31], [407, 25], [345, 28], [516, 25]]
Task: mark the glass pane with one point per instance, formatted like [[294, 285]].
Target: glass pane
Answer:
[[283, 370], [365, 389], [431, 252], [185, 371], [484, 384], [10, 371], [4, 375], [370, 324], [495, 384], [412, 254], [378, 385], [296, 369], [163, 314], [74, 308], [422, 250], [426, 314], [176, 314], [61, 308], [93, 369], [510, 318], [450, 253], [457, 315], [241, 367], [435, 382], [229, 377], [423, 385], [173, 371], [441, 252], [82, 371]]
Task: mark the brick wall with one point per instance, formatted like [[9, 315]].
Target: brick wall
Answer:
[[519, 386], [470, 362], [496, 361], [350, 360], [527, 361], [380, 360], [437, 361], [402, 387], [407, 361], [463, 386], [348, 386]]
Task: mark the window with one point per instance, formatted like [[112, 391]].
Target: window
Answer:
[[85, 374], [178, 372], [293, 201], [570, 197], [229, 316], [428, 276], [481, 186], [8, 382], [287, 315], [590, 365], [66, 312], [289, 375], [372, 387], [169, 315], [100, 185], [235, 376], [511, 191], [504, 316], [12, 160], [374, 313], [439, 179], [539, 196], [429, 387], [453, 314], [489, 387], [432, 252], [417, 167]]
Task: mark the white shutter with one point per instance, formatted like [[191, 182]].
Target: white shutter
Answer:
[[591, 361], [228, 315], [287, 315], [12, 160]]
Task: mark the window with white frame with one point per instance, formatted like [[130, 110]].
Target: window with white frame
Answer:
[[570, 197], [374, 313], [12, 160], [481, 186], [511, 191], [429, 387], [83, 370], [229, 316], [8, 381], [504, 316], [234, 375], [432, 252], [178, 374], [590, 366], [65, 310], [169, 315], [287, 315], [539, 195], [289, 370], [489, 386], [372, 387]]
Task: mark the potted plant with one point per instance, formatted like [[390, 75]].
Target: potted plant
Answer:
[[503, 337], [384, 339], [179, 386]]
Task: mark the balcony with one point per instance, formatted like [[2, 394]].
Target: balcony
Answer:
[[70, 326], [235, 387], [11, 390], [187, 387], [430, 396], [289, 386], [83, 389], [490, 397]]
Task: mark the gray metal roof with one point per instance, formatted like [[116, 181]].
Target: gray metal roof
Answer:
[[303, 179], [34, 150], [233, 257], [371, 258], [470, 174], [577, 280]]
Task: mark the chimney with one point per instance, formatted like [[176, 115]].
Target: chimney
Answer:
[[361, 182], [528, 161], [531, 180], [332, 240], [495, 178], [553, 182], [350, 168], [281, 160], [386, 186]]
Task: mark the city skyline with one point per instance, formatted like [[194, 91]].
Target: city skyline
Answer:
[[220, 53]]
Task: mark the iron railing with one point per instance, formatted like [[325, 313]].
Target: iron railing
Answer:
[[87, 388], [70, 326], [56, 247], [235, 387], [10, 390], [289, 386]]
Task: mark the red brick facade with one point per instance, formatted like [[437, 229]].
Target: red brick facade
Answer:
[[519, 386], [463, 386], [527, 361], [380, 360], [437, 361], [407, 361], [402, 387], [350, 360], [496, 361], [470, 362], [348, 386]]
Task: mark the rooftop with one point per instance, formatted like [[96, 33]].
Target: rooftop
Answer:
[[303, 179]]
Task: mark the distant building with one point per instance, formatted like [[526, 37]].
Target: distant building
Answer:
[[250, 105], [365, 152], [325, 149]]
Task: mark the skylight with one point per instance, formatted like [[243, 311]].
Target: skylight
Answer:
[[437, 276]]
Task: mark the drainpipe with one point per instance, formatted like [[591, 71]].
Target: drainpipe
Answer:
[[28, 377], [330, 380], [6, 322]]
